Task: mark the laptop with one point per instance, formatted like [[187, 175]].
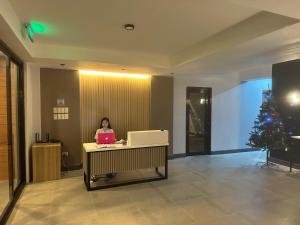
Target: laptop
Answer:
[[106, 138]]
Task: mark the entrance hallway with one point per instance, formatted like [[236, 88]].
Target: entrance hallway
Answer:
[[209, 190]]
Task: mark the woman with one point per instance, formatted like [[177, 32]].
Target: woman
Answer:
[[105, 128]]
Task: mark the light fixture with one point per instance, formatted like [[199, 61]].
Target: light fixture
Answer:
[[129, 26], [294, 98], [29, 31], [38, 27], [113, 74], [32, 28]]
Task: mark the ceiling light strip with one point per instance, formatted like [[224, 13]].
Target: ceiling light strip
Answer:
[[113, 74]]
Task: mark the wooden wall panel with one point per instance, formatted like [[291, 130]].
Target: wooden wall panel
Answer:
[[57, 84], [3, 126], [126, 101], [161, 116]]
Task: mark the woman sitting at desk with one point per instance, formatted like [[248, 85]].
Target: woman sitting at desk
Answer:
[[104, 128]]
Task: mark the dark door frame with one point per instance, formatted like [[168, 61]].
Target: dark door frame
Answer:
[[14, 192], [187, 147]]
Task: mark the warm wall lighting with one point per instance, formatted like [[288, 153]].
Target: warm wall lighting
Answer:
[[113, 74], [294, 98]]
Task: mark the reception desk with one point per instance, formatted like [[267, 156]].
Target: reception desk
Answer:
[[116, 158]]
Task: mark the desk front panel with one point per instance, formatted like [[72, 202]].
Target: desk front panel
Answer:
[[112, 161]]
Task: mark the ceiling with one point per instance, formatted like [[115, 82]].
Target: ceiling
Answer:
[[170, 36], [162, 27]]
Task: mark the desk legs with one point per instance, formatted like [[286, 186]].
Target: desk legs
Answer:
[[164, 176], [291, 161], [87, 174], [166, 162]]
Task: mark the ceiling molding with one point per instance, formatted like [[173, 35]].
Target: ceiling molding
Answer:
[[256, 73], [101, 55], [10, 31], [253, 27], [288, 8]]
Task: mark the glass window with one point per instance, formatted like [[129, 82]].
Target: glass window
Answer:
[[15, 124], [4, 174]]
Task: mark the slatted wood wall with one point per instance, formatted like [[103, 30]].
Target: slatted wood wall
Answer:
[[3, 124], [126, 101]]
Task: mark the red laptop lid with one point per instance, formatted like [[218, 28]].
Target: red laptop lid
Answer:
[[106, 138]]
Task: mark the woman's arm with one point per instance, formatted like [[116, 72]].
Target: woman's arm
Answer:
[[96, 135]]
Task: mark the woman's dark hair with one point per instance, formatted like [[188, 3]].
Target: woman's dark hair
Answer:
[[103, 119]]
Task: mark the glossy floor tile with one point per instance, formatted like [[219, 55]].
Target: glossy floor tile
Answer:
[[201, 190]]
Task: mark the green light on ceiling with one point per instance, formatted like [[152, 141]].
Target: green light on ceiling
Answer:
[[38, 27]]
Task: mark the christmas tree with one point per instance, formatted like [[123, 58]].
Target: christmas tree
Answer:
[[268, 132]]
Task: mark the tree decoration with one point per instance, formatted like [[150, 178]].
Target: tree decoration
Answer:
[[268, 132]]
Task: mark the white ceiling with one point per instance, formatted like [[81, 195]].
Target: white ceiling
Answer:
[[185, 37], [162, 26]]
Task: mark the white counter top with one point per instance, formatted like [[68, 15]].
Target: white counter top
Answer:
[[93, 147]]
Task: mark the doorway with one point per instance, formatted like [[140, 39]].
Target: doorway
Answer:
[[198, 120]]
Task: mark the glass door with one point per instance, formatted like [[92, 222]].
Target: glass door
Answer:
[[12, 132], [14, 71], [4, 165], [198, 120]]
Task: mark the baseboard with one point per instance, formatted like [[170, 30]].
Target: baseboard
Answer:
[[178, 155], [182, 155], [284, 163], [72, 167], [235, 151]]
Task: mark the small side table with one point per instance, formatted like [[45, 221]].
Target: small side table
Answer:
[[46, 161]]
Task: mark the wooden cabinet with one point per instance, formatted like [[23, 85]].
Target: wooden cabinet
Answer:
[[46, 161]]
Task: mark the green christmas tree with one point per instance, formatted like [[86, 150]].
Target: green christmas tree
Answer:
[[268, 132]]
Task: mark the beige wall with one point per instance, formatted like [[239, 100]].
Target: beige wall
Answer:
[[224, 111], [32, 109], [235, 104]]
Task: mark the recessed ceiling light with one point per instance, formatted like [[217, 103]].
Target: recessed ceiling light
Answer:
[[129, 26]]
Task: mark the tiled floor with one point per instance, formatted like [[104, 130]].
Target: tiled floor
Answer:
[[201, 190]]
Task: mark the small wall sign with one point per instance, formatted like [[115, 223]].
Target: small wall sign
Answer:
[[60, 102]]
